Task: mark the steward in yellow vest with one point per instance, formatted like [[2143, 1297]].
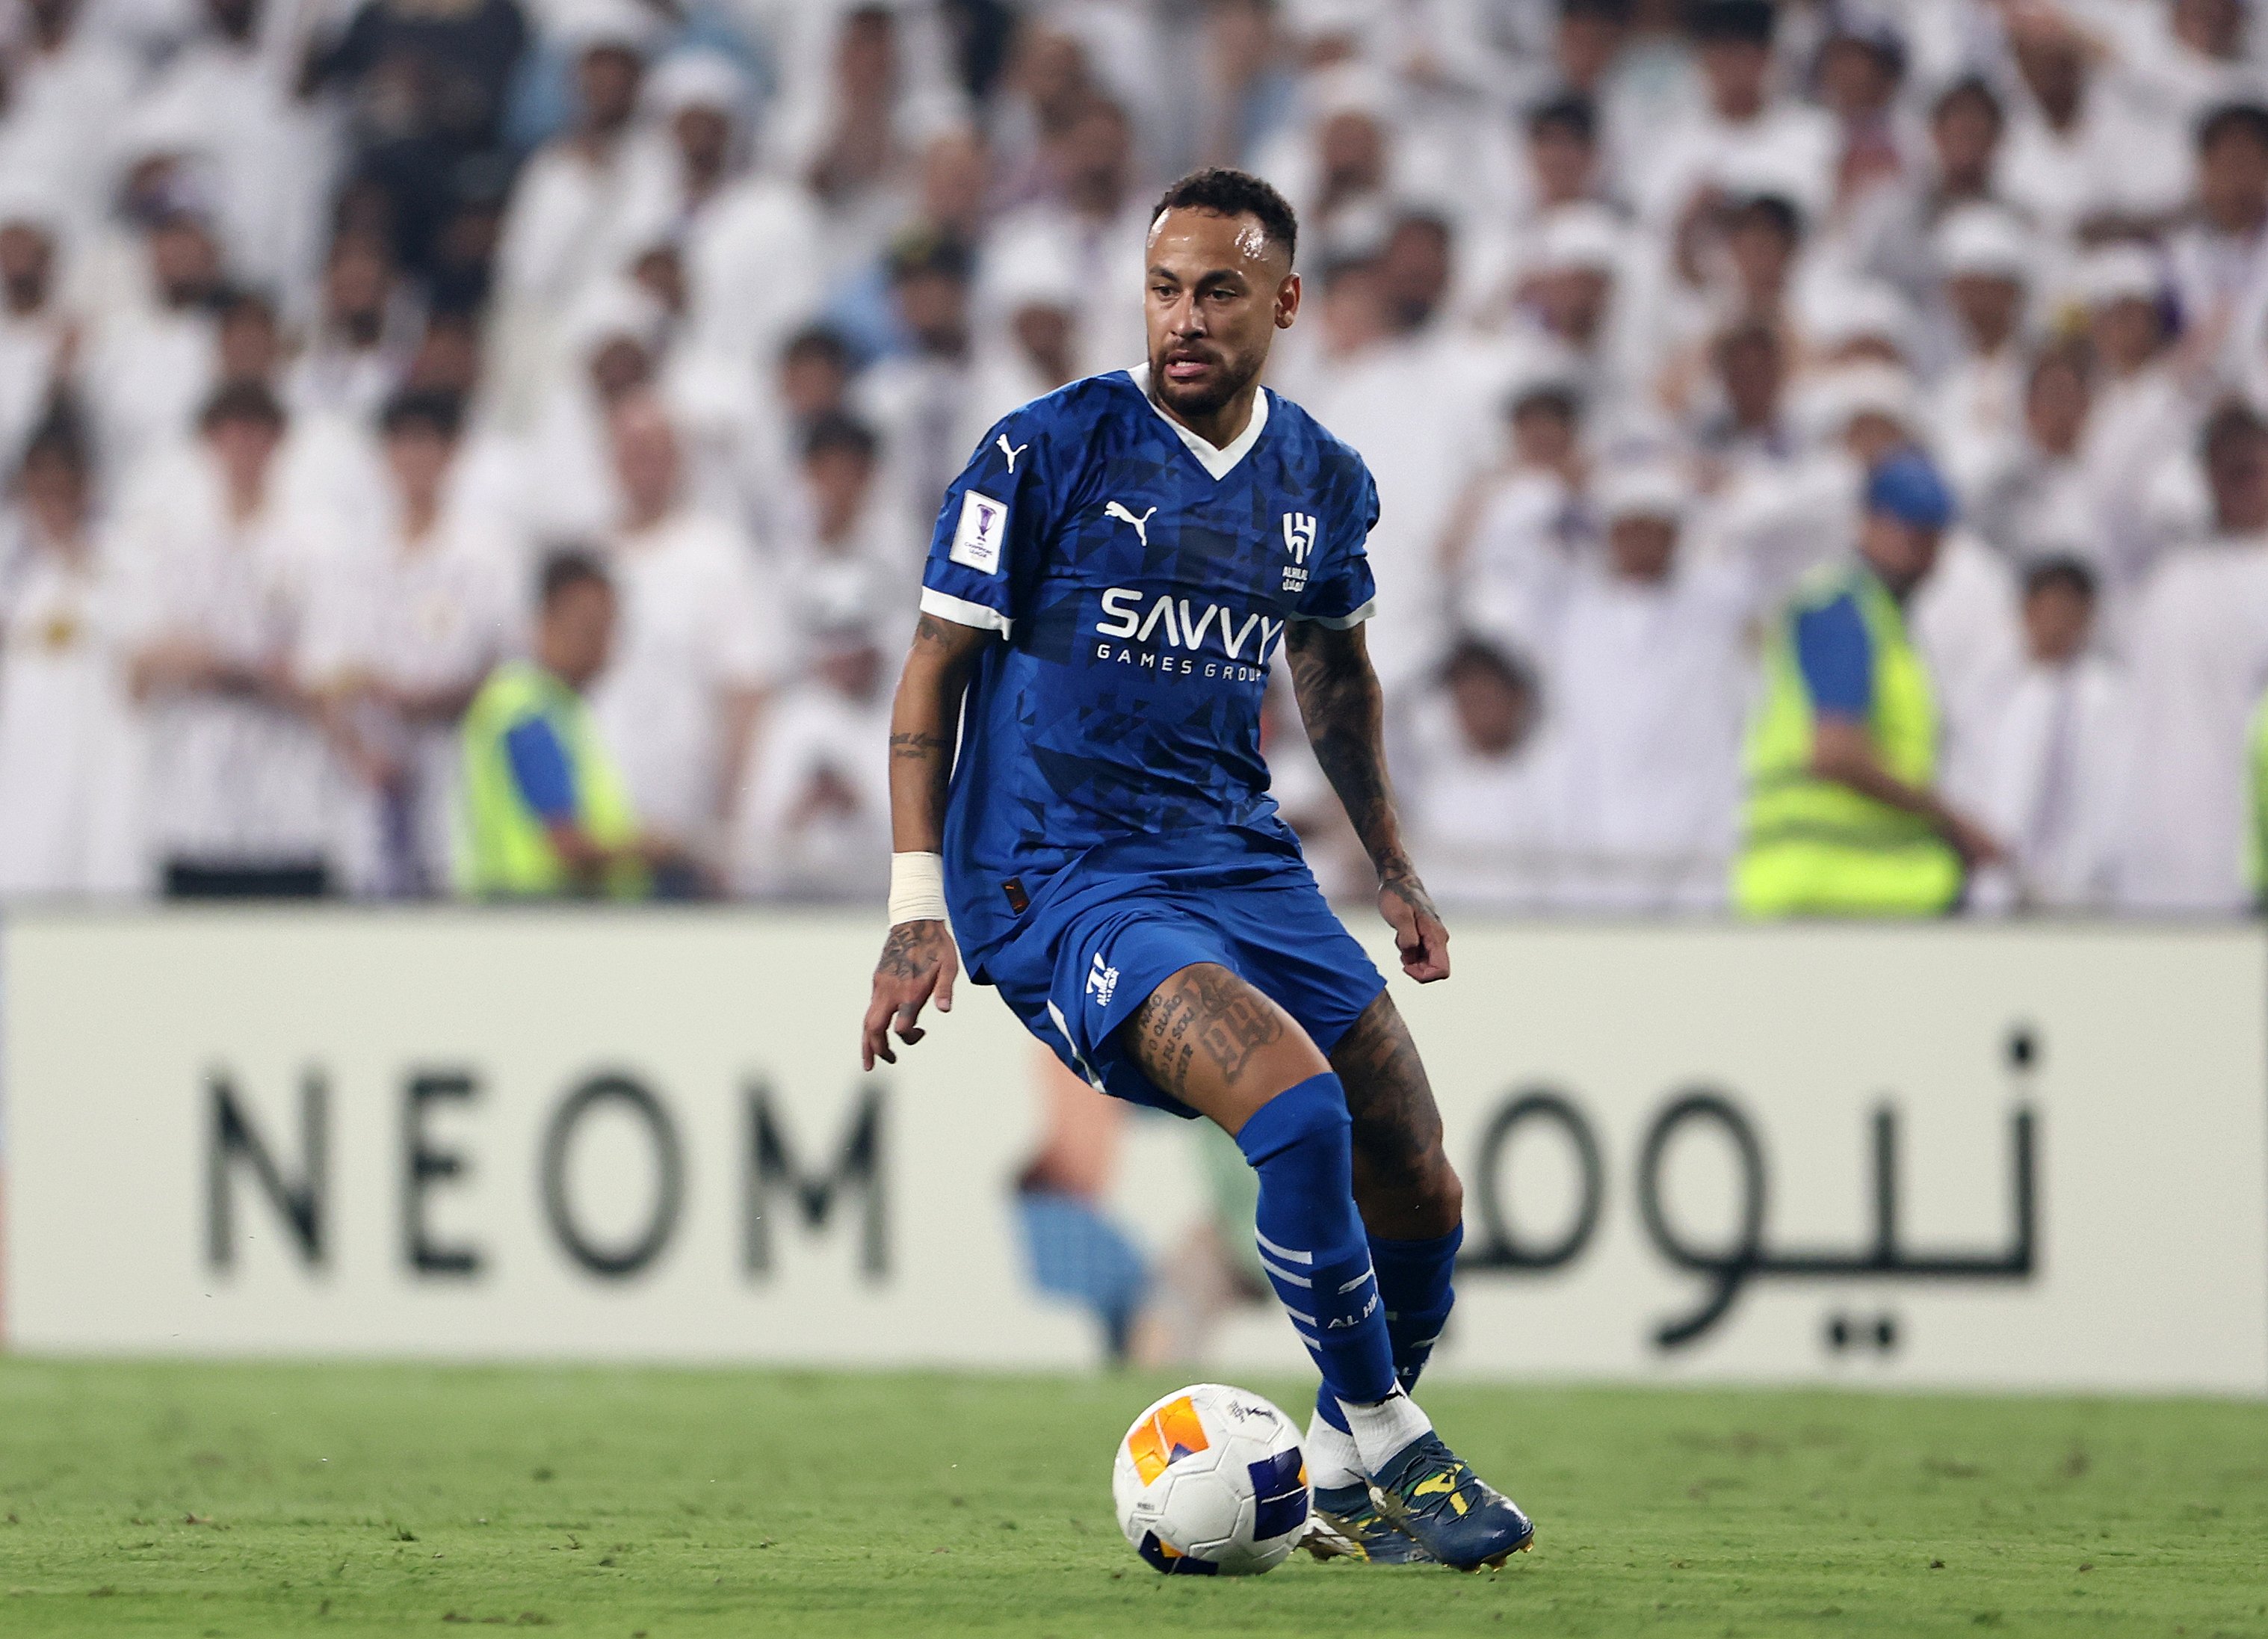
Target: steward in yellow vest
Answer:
[[1843, 817], [545, 812]]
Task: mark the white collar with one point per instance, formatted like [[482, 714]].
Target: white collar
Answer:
[[1219, 460]]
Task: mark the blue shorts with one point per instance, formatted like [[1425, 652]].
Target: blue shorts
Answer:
[[1088, 961]]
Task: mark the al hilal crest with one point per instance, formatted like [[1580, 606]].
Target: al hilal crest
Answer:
[[1300, 542]]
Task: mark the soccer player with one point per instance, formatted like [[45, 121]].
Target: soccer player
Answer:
[[1108, 579]]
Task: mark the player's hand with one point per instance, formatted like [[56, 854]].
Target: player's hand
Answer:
[[918, 963], [1418, 934]]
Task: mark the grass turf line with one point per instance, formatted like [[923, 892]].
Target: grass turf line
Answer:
[[253, 1500]]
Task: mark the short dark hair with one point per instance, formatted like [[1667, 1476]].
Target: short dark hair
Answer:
[[429, 409], [822, 341], [838, 431], [2059, 570], [1969, 88], [2232, 119], [922, 251], [1223, 192], [1776, 211], [1549, 398], [2234, 419], [1615, 11], [1477, 654], [567, 567], [1731, 22], [60, 435], [241, 401], [1572, 115]]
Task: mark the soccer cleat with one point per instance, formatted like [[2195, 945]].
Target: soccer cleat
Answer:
[[1427, 1492], [1346, 1523]]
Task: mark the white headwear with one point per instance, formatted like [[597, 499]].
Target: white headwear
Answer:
[[1831, 399], [1981, 239], [1578, 236], [585, 26], [1643, 489], [699, 78], [2118, 273], [1863, 309]]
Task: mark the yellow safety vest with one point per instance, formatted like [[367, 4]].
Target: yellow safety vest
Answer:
[[1811, 846], [503, 848]]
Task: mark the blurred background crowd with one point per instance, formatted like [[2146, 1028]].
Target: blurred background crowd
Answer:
[[323, 325]]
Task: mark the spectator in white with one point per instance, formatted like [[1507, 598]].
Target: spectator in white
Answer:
[[699, 644], [68, 89], [69, 814], [241, 784], [746, 233], [1744, 135], [855, 145], [915, 399], [2079, 152], [1985, 261], [807, 381], [2057, 783], [1475, 784], [1559, 320], [587, 202], [361, 339], [1424, 429], [1890, 231], [1251, 85], [151, 366], [1647, 660], [614, 336], [37, 342], [848, 547], [1861, 68], [2197, 660], [1507, 550], [269, 156], [2187, 57], [814, 820], [2215, 258], [1034, 347], [2143, 413], [2043, 498], [1099, 224], [402, 626]]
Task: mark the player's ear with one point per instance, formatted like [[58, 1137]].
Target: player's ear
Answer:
[[1287, 301]]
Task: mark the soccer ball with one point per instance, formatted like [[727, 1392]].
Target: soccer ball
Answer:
[[1211, 1481]]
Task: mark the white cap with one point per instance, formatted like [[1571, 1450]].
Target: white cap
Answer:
[[1863, 309], [25, 203], [1832, 400], [1981, 240], [1033, 270], [1644, 489], [1573, 238], [699, 78], [585, 26], [617, 308], [2118, 273]]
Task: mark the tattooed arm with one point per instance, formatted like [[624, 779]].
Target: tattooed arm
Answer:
[[918, 960], [1344, 711]]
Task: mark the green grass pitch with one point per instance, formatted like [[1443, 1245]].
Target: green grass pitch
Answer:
[[228, 1500]]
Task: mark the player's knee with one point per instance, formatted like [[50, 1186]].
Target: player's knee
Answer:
[[1411, 1171]]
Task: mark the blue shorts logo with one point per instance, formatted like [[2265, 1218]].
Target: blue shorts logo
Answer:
[[1101, 982]]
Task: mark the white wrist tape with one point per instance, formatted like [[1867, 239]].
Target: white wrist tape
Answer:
[[917, 887]]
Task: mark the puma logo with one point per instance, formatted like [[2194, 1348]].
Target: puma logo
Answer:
[[1112, 509], [1010, 453]]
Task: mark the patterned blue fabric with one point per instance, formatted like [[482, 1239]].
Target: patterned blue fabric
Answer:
[[1141, 596]]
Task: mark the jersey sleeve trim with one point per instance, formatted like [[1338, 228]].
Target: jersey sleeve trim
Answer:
[[1341, 622], [961, 612]]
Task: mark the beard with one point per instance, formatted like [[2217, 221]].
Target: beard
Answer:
[[1230, 375]]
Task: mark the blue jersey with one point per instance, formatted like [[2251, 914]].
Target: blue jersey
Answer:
[[1142, 580]]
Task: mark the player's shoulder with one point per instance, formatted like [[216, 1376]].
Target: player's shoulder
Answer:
[[1313, 445], [1076, 409]]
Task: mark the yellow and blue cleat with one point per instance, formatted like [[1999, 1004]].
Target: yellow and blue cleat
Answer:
[[1428, 1494], [1346, 1523]]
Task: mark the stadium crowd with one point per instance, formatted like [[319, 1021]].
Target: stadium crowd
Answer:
[[323, 324]]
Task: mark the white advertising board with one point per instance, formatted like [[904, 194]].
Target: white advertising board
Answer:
[[1989, 1157]]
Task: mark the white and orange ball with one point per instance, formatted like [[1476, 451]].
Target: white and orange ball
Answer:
[[1211, 1481]]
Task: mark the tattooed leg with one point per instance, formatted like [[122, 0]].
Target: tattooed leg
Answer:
[[1402, 1178], [1218, 1044]]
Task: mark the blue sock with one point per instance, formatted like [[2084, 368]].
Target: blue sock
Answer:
[[1413, 1283], [1311, 1237]]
